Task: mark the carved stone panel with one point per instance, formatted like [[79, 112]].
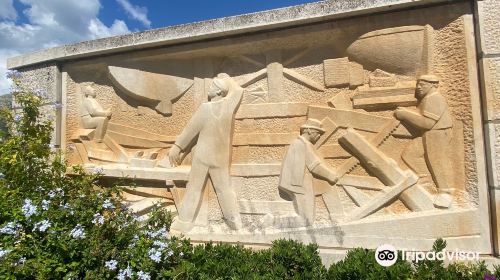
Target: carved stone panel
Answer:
[[345, 133]]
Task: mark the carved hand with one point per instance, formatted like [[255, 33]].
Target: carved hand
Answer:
[[400, 113], [174, 155], [108, 113]]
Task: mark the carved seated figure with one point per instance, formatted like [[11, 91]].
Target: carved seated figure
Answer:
[[300, 164], [93, 115]]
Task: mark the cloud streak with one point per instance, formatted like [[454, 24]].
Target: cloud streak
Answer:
[[136, 12]]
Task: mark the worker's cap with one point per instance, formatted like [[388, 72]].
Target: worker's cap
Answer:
[[314, 124], [429, 78], [222, 81]]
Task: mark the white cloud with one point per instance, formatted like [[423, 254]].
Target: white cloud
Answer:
[[136, 12], [99, 30], [51, 23], [7, 10], [5, 83]]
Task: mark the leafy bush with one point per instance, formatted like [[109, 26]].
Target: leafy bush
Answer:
[[57, 227], [286, 259]]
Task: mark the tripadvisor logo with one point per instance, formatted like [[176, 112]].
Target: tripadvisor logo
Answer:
[[387, 255]]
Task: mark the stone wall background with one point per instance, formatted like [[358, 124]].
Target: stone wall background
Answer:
[[488, 43]]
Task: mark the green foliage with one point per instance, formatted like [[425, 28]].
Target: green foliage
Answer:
[[286, 259], [361, 264], [5, 103], [57, 227]]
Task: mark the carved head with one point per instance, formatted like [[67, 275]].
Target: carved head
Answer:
[[220, 86], [312, 130], [88, 91], [426, 84]]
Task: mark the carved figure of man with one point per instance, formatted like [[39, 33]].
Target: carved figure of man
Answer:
[[434, 119], [93, 115], [212, 126], [300, 164]]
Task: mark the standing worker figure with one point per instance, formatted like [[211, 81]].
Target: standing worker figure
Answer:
[[299, 166], [212, 126], [93, 115], [434, 119]]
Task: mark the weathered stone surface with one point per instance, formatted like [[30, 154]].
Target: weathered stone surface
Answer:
[[493, 153], [45, 80], [491, 87], [489, 26]]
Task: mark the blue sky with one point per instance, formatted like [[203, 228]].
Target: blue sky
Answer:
[[30, 25]]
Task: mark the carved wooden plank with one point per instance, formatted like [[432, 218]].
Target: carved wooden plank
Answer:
[[134, 141], [274, 75], [132, 131], [384, 92], [376, 140], [252, 78], [383, 198], [330, 128], [120, 153], [417, 198], [348, 118], [82, 152], [341, 101], [359, 197], [181, 173], [271, 110], [374, 160], [362, 182], [301, 79], [369, 102]]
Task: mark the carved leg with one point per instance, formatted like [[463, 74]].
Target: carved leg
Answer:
[[411, 155], [194, 191], [99, 123], [226, 196], [305, 205], [333, 204], [100, 131], [292, 221], [436, 143]]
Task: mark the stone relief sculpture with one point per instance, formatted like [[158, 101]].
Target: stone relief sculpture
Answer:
[[301, 162], [434, 119], [322, 144], [212, 126]]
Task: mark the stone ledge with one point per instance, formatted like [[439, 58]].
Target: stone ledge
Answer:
[[217, 28]]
